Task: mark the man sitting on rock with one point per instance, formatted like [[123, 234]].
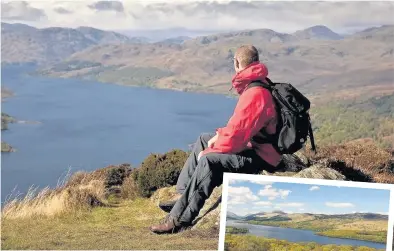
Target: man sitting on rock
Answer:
[[231, 149]]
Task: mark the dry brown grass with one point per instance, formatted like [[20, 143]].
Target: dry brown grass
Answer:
[[360, 155], [129, 189], [366, 225], [81, 191]]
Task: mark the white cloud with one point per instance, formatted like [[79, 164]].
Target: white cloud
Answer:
[[219, 15], [313, 188], [291, 204], [273, 193], [234, 181], [261, 182], [245, 211], [263, 203], [240, 195], [21, 10], [301, 209], [107, 6], [339, 204]]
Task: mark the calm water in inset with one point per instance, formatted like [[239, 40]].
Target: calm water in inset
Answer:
[[298, 235], [86, 125]]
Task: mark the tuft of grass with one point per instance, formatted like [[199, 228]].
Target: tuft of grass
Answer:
[[81, 191], [129, 189], [54, 202]]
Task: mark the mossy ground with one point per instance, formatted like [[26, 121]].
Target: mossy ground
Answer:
[[122, 226]]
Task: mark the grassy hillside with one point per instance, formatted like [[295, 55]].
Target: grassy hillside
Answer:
[[345, 120], [119, 227], [235, 242], [112, 207]]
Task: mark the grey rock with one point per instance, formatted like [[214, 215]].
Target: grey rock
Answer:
[[320, 172], [302, 158]]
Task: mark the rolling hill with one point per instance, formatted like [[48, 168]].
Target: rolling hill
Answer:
[[21, 43], [318, 32]]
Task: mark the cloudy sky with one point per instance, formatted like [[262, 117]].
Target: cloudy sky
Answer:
[[248, 197], [281, 16]]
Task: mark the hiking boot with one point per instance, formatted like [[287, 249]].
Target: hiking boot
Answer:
[[169, 226], [167, 206]]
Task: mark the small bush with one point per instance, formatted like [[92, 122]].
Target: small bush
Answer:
[[159, 170], [117, 175]]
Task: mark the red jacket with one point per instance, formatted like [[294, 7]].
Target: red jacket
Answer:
[[255, 109]]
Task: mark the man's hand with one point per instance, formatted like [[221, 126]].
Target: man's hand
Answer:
[[210, 144], [213, 140]]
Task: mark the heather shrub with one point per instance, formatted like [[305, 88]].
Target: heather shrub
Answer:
[[159, 170]]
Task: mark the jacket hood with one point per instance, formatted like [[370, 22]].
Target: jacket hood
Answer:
[[255, 71]]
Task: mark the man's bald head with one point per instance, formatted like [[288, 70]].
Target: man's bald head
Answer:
[[245, 55]]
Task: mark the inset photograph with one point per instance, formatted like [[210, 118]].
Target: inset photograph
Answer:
[[278, 213]]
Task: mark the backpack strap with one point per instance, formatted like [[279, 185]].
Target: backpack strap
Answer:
[[311, 136], [264, 137], [269, 82], [259, 83]]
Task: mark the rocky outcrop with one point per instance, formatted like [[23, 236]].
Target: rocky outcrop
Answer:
[[5, 119], [209, 216], [299, 166], [6, 147]]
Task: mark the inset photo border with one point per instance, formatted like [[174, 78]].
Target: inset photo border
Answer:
[[292, 212]]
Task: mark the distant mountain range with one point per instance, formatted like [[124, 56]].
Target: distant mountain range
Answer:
[[352, 64], [316, 60], [282, 216]]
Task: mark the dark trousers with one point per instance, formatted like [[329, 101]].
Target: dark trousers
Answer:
[[198, 178]]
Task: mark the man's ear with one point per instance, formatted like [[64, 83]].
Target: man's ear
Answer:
[[236, 64]]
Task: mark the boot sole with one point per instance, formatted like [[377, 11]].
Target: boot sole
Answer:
[[166, 208]]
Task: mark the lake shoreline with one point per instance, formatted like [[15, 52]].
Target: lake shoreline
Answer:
[[316, 232], [238, 224]]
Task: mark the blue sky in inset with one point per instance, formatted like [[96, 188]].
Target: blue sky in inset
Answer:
[[248, 197]]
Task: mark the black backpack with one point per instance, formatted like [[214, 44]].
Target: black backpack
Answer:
[[294, 125]]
